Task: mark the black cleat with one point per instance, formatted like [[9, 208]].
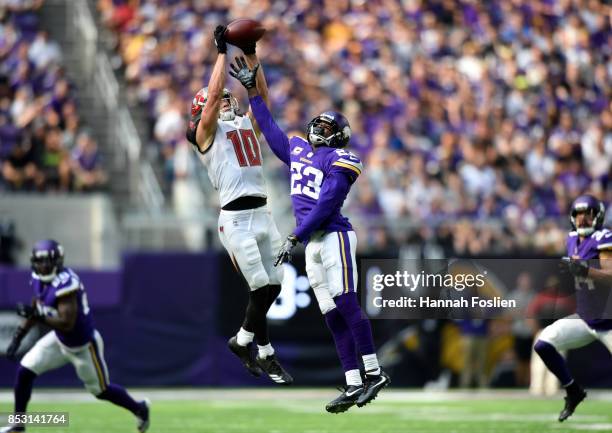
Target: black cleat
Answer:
[[12, 429], [245, 355], [372, 386], [346, 400], [272, 368], [572, 400], [144, 417]]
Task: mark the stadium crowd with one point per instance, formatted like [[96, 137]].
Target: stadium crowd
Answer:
[[43, 145], [478, 122]]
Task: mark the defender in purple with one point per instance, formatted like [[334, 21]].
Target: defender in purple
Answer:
[[322, 174], [589, 250], [60, 302]]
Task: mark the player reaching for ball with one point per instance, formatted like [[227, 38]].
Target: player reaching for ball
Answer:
[[322, 174], [227, 145]]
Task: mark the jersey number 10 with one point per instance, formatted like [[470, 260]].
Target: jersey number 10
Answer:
[[246, 147]]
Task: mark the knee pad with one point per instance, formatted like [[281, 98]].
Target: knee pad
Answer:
[[324, 299], [257, 280], [255, 272]]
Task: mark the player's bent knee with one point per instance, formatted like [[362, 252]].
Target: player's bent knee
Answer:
[[325, 301], [549, 335], [542, 347], [95, 389], [258, 279]]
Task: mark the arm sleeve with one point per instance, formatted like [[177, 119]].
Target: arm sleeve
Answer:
[[333, 193], [276, 138]]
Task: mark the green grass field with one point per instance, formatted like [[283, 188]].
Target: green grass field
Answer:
[[302, 411]]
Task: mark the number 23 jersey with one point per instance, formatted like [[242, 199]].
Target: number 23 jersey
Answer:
[[234, 161], [309, 168]]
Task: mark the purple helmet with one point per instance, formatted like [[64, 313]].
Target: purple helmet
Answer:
[[47, 259], [329, 128], [588, 203]]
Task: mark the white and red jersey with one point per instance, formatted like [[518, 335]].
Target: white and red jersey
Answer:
[[234, 162]]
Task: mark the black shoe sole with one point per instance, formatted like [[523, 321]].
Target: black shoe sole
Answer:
[[288, 380], [255, 371], [384, 385], [339, 408], [561, 419]]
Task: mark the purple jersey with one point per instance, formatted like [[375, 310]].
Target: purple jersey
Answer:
[[320, 177], [591, 297], [48, 294]]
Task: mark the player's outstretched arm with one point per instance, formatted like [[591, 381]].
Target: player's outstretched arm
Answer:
[[276, 138], [207, 126], [252, 60]]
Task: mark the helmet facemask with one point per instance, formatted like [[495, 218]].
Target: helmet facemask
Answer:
[[597, 215], [47, 263], [230, 113], [200, 100], [327, 130]]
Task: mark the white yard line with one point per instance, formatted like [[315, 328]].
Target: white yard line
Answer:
[[253, 394]]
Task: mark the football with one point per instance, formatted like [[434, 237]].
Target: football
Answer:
[[243, 31]]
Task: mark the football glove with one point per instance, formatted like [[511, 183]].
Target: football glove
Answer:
[[219, 35], [578, 268], [28, 311], [248, 49], [11, 351], [284, 254], [241, 72]]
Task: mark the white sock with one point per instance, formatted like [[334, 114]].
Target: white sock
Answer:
[[353, 377], [244, 337], [370, 363], [265, 351]]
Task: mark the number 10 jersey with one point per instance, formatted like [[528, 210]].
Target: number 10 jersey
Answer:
[[233, 161]]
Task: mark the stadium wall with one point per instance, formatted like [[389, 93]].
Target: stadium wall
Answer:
[[166, 317]]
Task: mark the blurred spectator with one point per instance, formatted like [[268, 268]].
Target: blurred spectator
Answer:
[[55, 162], [86, 165], [464, 112], [39, 122], [43, 52], [20, 169]]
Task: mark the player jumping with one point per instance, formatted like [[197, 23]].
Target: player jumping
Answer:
[[60, 302], [227, 145], [321, 176], [588, 241]]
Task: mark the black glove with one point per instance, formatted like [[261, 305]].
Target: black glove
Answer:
[[11, 351], [248, 49], [241, 72], [284, 254], [578, 268], [219, 35], [28, 311]]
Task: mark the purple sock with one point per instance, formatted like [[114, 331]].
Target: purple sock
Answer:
[[348, 306], [23, 388], [119, 396], [554, 361], [345, 345]]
